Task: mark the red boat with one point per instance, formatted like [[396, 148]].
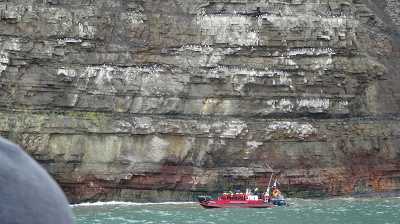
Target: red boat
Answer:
[[250, 199], [241, 200]]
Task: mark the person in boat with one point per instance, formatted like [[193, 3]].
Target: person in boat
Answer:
[[277, 197], [259, 194], [276, 193]]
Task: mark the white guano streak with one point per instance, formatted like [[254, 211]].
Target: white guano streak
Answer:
[[231, 29]]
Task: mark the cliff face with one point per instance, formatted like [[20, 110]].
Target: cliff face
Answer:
[[160, 99]]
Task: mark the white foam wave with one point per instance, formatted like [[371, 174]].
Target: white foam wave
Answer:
[[345, 198], [125, 203]]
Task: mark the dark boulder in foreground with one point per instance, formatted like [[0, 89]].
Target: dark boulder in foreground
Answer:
[[28, 195]]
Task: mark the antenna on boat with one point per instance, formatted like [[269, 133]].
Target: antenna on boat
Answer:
[[269, 184], [270, 178]]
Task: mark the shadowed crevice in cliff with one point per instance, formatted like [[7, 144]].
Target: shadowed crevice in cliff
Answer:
[[384, 45]]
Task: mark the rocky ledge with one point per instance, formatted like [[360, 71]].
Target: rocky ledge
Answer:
[[151, 100]]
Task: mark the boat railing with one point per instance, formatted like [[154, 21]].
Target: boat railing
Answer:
[[235, 197]]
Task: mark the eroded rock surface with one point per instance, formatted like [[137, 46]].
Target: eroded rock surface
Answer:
[[160, 100]]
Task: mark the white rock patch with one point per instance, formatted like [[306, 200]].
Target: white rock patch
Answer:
[[316, 104], [101, 76], [230, 29], [301, 130], [85, 30], [234, 128], [4, 61], [254, 144], [133, 18], [279, 105], [310, 51]]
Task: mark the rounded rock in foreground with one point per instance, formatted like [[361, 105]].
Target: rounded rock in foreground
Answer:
[[28, 195]]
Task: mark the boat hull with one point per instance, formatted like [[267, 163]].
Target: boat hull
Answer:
[[235, 204]]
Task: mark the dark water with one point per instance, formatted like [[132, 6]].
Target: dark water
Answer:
[[346, 210]]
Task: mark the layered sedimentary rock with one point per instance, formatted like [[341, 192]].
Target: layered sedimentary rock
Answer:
[[160, 100]]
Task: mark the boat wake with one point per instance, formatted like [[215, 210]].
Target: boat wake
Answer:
[[125, 203]]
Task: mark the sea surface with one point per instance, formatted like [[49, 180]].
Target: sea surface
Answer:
[[338, 210]]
